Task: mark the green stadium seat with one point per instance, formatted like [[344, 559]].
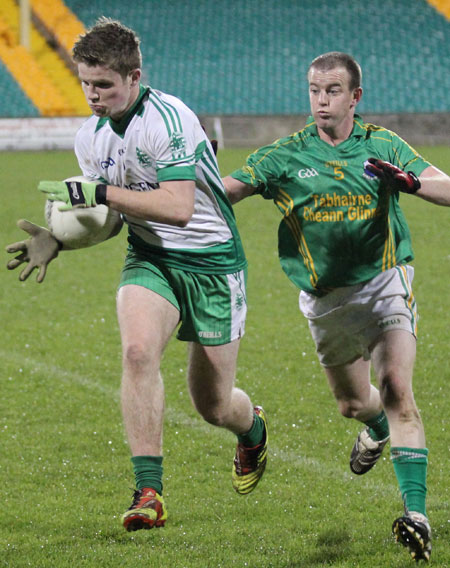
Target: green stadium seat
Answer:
[[15, 103], [230, 57]]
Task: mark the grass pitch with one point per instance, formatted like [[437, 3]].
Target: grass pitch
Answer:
[[65, 472]]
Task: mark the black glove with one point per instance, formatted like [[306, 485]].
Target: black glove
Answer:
[[407, 182]]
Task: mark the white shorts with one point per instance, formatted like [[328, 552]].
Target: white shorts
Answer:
[[346, 322]]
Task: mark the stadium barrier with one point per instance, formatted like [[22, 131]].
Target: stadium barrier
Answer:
[[38, 133], [231, 131]]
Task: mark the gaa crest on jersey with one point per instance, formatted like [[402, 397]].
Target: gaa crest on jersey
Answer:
[[307, 173], [178, 145], [143, 158]]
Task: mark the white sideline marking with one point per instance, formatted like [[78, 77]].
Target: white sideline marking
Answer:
[[56, 372], [182, 418]]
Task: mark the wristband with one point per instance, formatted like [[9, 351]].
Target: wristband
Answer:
[[100, 194], [416, 183]]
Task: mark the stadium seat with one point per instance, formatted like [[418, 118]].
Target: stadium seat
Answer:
[[15, 103], [231, 58]]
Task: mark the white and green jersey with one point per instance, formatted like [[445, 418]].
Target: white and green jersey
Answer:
[[161, 139], [339, 227]]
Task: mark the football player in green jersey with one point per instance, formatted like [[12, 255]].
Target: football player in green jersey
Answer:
[[151, 160], [343, 240]]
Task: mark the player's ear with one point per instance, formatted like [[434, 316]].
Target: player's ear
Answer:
[[135, 76], [357, 94]]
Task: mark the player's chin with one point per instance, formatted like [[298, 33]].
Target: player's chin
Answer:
[[323, 120], [99, 111]]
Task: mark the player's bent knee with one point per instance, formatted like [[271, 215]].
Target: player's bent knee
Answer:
[[215, 416], [351, 408]]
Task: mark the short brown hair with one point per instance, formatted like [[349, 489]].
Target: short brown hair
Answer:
[[110, 44], [333, 59]]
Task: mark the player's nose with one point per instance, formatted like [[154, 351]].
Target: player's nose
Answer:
[[92, 94], [323, 98]]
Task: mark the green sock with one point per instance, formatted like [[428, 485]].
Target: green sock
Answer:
[[378, 427], [410, 465], [255, 435], [148, 472]]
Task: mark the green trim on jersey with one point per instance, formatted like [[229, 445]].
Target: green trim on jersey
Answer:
[[339, 227], [168, 173], [168, 112], [173, 173]]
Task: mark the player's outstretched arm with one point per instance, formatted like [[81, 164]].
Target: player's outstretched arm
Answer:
[[236, 190], [37, 251], [435, 186]]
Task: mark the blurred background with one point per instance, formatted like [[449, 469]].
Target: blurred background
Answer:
[[240, 65]]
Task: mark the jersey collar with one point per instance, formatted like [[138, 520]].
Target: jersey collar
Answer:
[[358, 127]]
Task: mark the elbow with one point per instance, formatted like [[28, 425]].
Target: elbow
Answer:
[[232, 198], [181, 223], [229, 195], [182, 218]]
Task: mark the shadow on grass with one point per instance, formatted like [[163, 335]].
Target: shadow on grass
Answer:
[[331, 546]]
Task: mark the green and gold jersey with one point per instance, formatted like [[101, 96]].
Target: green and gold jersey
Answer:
[[339, 227], [160, 139]]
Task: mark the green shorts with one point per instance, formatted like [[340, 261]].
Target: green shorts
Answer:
[[212, 307]]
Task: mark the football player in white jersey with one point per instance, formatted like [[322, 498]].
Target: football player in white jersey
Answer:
[[150, 159]]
